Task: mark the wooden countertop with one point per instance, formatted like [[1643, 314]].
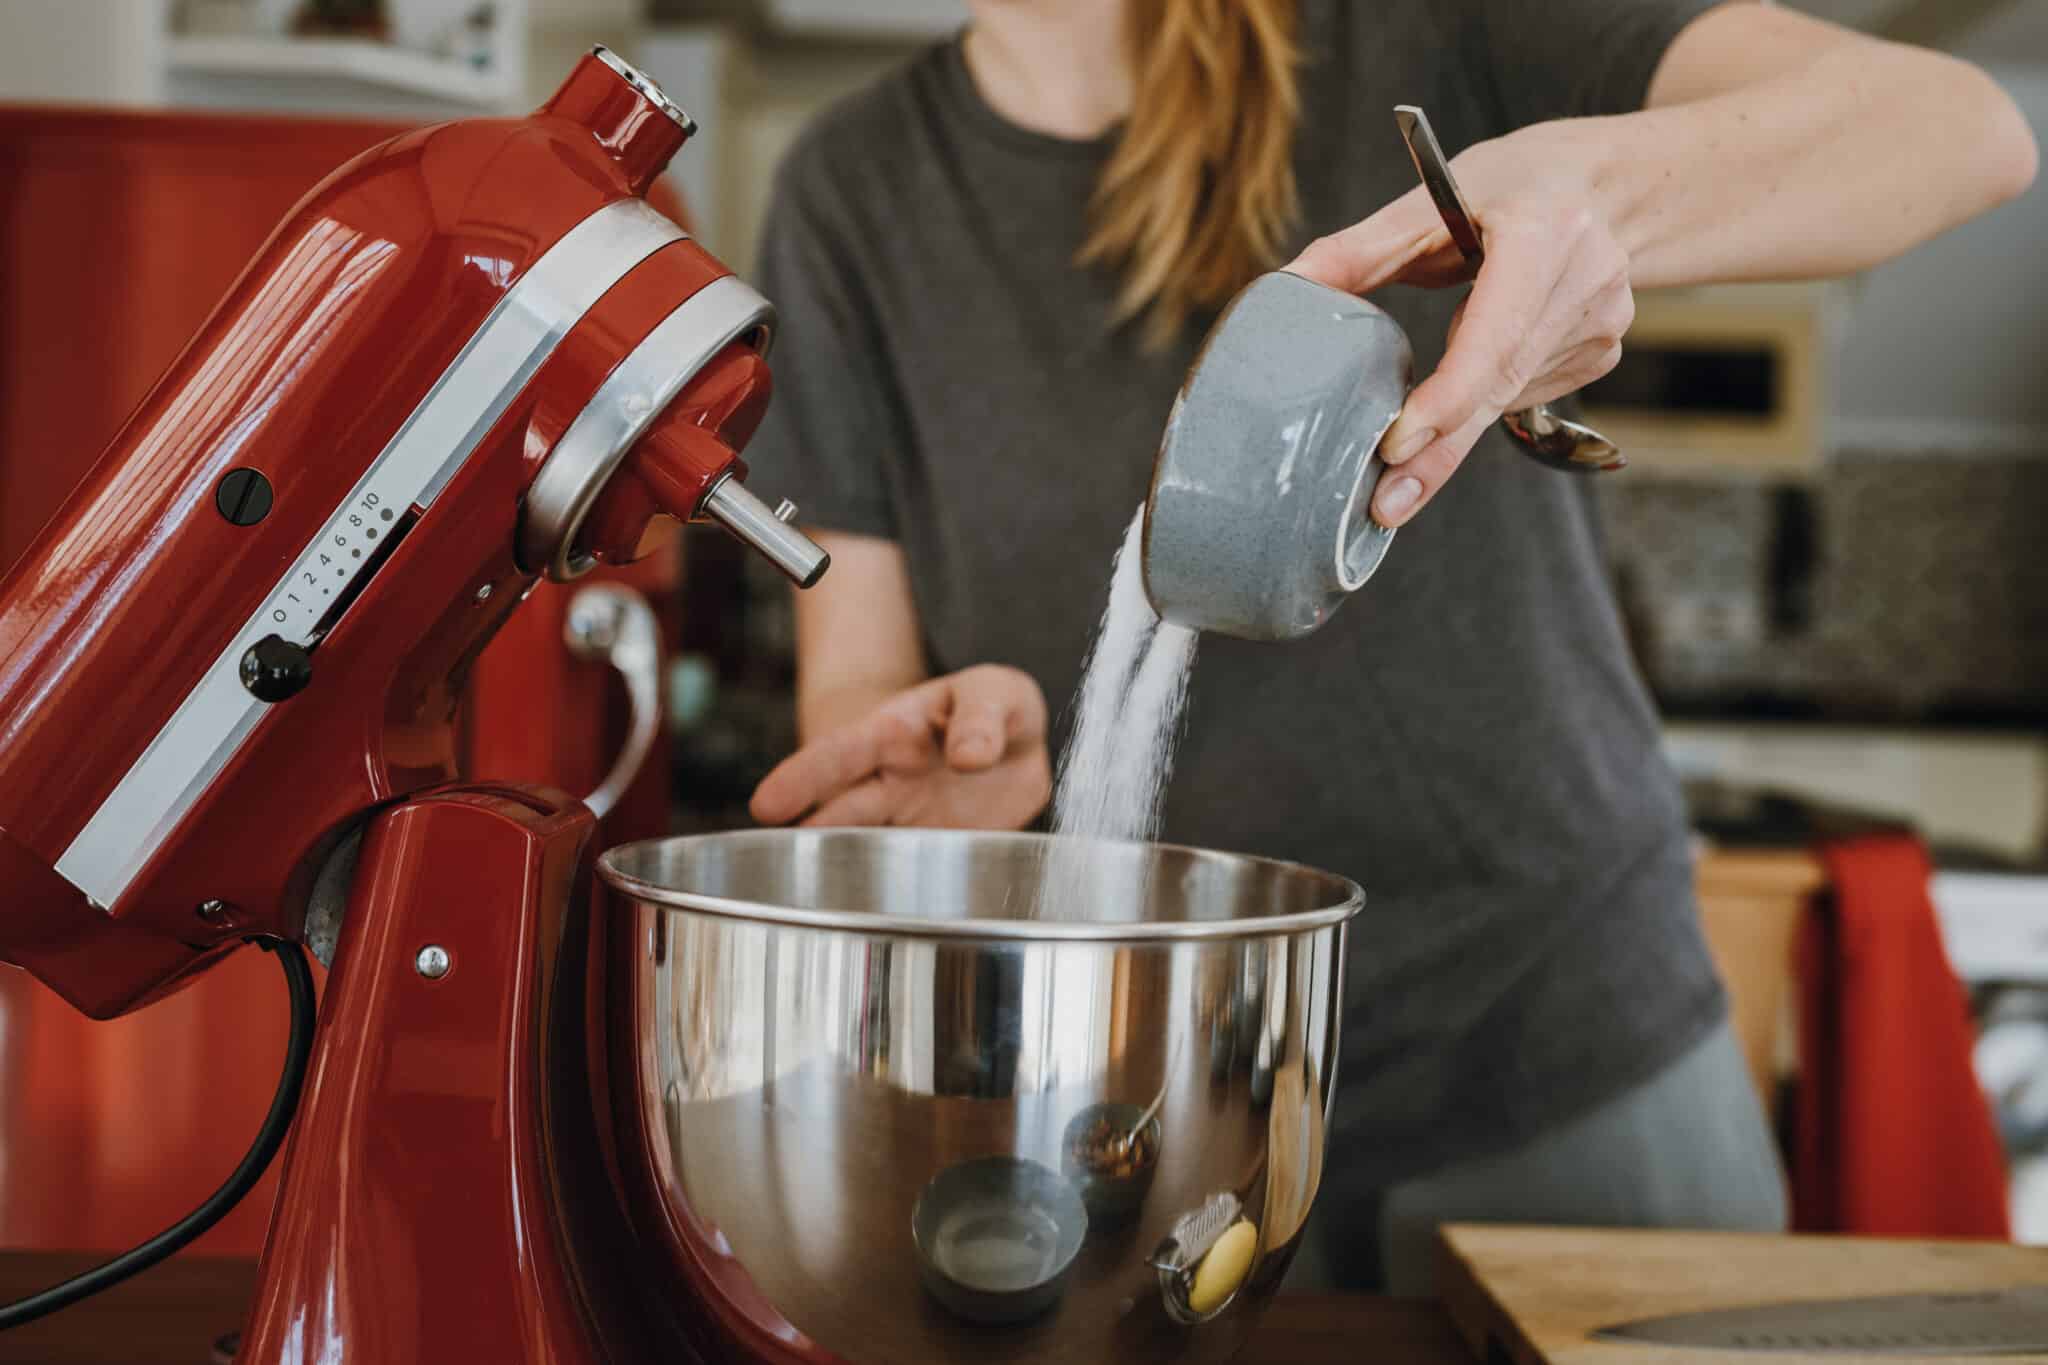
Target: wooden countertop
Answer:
[[171, 1315], [1538, 1295]]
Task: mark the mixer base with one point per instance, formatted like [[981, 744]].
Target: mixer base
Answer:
[[447, 1192]]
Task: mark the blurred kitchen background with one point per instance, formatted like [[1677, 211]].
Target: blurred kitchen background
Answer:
[[1829, 549]]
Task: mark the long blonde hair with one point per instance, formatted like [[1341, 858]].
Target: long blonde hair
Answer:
[[1199, 194]]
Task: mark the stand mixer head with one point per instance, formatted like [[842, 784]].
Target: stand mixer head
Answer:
[[469, 357]]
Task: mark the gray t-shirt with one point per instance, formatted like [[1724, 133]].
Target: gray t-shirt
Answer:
[[1467, 738]]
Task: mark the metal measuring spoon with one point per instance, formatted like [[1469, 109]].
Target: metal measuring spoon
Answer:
[[1544, 437]]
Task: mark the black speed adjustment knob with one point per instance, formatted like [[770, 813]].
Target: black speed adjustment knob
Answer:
[[275, 669]]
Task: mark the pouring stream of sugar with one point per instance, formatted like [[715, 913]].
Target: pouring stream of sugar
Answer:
[[1113, 773]]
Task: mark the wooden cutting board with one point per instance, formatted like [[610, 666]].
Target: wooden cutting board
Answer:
[[1535, 1296]]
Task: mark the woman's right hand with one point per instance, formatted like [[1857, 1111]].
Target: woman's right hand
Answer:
[[965, 751]]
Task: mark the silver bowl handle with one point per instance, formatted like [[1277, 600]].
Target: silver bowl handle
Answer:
[[614, 625]]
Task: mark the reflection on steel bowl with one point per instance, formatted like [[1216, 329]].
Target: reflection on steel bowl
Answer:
[[1110, 1156], [825, 1022], [996, 1237]]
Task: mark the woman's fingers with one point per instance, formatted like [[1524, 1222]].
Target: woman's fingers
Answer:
[[892, 735], [817, 772], [1570, 372], [1488, 361], [1544, 319], [1591, 310], [1405, 489], [906, 750], [992, 708], [1026, 793], [867, 803], [1404, 236], [868, 771]]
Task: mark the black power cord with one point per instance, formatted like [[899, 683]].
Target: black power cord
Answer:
[[299, 979]]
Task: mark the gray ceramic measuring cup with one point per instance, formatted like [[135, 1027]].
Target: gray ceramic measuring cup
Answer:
[[1259, 521]]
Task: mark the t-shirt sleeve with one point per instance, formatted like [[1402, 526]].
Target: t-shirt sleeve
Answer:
[[830, 434], [1578, 58]]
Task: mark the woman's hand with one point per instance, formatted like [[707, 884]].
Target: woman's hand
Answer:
[[966, 751], [1545, 316]]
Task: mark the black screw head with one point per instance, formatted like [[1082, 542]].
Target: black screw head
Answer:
[[243, 496], [275, 669]]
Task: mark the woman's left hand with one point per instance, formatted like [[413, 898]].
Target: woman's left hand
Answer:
[[1545, 316]]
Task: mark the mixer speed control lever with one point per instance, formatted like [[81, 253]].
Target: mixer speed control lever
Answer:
[[275, 669]]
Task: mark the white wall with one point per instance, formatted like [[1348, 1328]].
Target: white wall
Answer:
[[81, 51], [1944, 347], [693, 65]]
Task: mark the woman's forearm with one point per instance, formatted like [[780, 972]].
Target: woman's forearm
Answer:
[[1774, 146], [1854, 157], [858, 640]]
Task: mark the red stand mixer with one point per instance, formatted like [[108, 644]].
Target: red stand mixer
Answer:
[[789, 1096], [229, 669]]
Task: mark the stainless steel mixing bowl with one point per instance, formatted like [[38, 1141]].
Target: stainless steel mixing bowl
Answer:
[[828, 1021]]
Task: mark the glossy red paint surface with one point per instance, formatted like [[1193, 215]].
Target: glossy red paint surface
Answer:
[[648, 293], [459, 1185], [168, 208], [635, 134], [419, 1220], [681, 456], [330, 338], [325, 345], [450, 1191], [113, 1129]]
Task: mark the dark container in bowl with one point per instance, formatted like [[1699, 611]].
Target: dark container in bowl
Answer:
[[1110, 1194], [996, 1238]]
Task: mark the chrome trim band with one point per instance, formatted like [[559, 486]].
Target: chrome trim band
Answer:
[[623, 407], [644, 84], [1349, 898], [218, 714]]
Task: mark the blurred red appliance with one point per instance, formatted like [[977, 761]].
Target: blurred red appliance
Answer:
[[120, 233]]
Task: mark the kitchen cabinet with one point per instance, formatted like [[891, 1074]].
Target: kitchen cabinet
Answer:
[[1537, 1296], [1751, 905], [1724, 379]]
